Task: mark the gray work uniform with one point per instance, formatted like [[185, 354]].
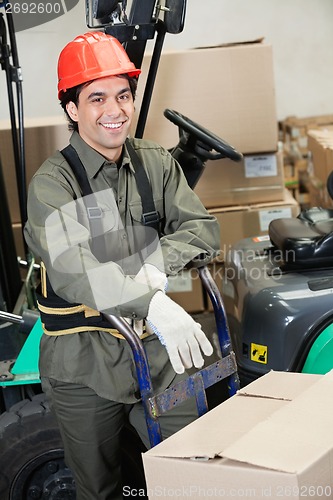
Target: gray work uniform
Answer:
[[96, 363]]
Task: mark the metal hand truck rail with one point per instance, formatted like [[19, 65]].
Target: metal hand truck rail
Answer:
[[195, 385]]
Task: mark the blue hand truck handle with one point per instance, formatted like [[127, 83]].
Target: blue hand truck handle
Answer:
[[195, 384]]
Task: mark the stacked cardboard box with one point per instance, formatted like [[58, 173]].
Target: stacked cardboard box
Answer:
[[229, 90], [42, 137], [320, 145], [296, 177], [245, 221], [256, 179], [294, 136], [240, 107], [295, 130]]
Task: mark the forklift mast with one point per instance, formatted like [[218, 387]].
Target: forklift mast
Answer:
[[10, 278]]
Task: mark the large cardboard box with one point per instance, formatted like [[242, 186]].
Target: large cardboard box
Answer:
[[256, 179], [228, 89], [42, 137], [273, 439], [245, 221]]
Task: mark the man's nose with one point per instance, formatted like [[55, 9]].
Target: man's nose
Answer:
[[112, 107]]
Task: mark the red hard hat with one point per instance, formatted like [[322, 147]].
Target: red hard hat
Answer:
[[91, 56]]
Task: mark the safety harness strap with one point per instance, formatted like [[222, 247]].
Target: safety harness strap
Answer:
[[75, 319], [94, 212], [81, 329], [150, 216]]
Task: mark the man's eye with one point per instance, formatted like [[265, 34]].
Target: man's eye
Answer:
[[124, 97]]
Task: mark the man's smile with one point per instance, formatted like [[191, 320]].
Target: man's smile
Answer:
[[112, 125]]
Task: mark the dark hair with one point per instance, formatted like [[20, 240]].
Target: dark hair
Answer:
[[72, 95]]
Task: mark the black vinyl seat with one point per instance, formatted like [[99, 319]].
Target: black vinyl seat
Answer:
[[305, 241]]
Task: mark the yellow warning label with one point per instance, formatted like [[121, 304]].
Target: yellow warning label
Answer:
[[259, 353]]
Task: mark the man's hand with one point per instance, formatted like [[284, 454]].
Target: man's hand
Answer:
[[182, 337]]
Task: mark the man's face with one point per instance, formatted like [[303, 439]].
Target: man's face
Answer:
[[104, 114]]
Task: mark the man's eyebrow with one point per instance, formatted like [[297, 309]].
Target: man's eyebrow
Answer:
[[126, 89], [102, 94], [96, 94]]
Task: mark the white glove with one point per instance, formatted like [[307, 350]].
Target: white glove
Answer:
[[154, 278], [151, 276], [182, 337]]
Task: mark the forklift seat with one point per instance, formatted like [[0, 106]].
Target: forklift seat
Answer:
[[305, 241]]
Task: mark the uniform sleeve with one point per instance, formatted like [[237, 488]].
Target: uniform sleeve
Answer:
[[55, 234], [191, 234]]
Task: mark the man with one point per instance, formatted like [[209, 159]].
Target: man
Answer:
[[100, 255]]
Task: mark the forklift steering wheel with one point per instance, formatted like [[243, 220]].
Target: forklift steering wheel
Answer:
[[201, 134]]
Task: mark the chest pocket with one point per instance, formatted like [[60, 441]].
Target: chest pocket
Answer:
[[136, 210]]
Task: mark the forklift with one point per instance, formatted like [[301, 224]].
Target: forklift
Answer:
[[278, 294], [32, 456]]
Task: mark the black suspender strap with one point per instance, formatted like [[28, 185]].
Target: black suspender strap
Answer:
[[94, 212], [150, 216], [76, 165]]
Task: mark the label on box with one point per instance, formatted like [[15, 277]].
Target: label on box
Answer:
[[260, 165], [266, 216], [259, 239], [180, 283], [295, 132]]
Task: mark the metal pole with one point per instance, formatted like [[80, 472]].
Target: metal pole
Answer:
[[221, 322]]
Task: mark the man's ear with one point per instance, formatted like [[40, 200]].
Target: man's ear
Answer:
[[71, 109]]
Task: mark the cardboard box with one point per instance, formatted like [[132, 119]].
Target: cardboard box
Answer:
[[320, 143], [273, 439], [294, 171], [295, 130], [42, 137], [318, 194], [240, 107], [245, 221], [185, 289], [256, 179]]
